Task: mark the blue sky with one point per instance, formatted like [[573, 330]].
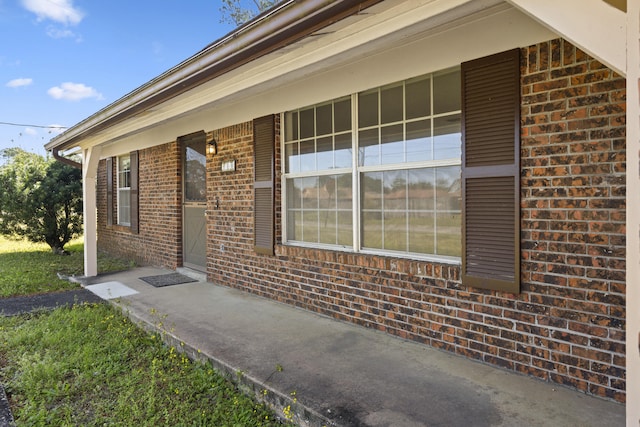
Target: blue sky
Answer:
[[63, 60]]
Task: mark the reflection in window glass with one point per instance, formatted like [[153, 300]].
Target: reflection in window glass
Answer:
[[419, 146], [446, 92], [343, 152], [342, 115], [408, 210], [447, 137], [392, 144], [324, 153], [369, 148], [324, 119], [319, 210], [315, 150], [292, 157], [195, 169], [307, 123], [291, 126], [418, 98], [307, 155], [368, 109], [124, 190], [407, 138], [391, 104]]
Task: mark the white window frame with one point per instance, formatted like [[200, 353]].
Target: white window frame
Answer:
[[356, 170], [122, 191]]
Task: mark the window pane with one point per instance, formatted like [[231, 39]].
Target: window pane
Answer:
[[395, 231], [310, 226], [195, 171], [391, 104], [324, 156], [421, 189], [328, 227], [342, 115], [327, 192], [418, 98], [446, 92], [447, 139], [448, 231], [124, 207], [294, 225], [419, 144], [307, 125], [371, 187], [309, 188], [324, 123], [395, 190], [448, 188], [369, 149], [307, 156], [344, 192], [292, 158], [291, 126], [368, 109], [342, 151], [448, 204], [294, 193], [392, 144], [421, 232], [124, 172], [372, 229], [345, 228]]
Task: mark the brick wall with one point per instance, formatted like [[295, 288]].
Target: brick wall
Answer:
[[573, 217], [567, 324], [159, 241]]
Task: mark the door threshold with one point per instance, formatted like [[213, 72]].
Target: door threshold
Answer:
[[198, 275]]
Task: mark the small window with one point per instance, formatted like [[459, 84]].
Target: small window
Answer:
[[124, 190]]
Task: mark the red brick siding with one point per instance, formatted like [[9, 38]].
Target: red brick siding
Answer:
[[159, 241], [567, 324], [573, 216]]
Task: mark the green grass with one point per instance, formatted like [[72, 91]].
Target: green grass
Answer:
[[30, 268], [90, 366]]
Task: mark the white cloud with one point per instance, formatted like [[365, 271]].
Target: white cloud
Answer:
[[61, 11], [19, 82], [74, 92], [56, 33], [30, 131]]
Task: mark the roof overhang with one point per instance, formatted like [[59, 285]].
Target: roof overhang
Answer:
[[301, 37], [283, 25]]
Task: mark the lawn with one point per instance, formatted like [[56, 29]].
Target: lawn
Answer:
[[89, 365], [31, 268]]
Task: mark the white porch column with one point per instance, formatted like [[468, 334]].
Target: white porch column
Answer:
[[633, 213], [91, 157]]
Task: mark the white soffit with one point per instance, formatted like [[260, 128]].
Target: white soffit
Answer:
[[593, 25]]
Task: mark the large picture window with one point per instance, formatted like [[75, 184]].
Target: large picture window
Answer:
[[124, 190], [378, 171]]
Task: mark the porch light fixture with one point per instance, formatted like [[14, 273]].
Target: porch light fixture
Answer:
[[213, 147]]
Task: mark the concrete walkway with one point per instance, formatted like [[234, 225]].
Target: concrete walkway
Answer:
[[333, 373]]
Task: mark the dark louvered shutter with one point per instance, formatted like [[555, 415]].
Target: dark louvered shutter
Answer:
[[134, 193], [264, 149], [490, 171], [109, 191]]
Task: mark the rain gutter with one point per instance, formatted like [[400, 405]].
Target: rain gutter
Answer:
[[59, 157], [286, 23]]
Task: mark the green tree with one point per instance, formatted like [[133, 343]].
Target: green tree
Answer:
[[40, 199], [238, 12]]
